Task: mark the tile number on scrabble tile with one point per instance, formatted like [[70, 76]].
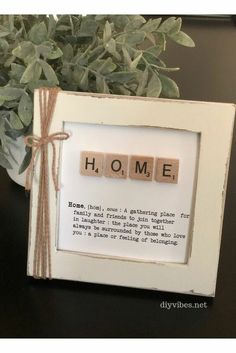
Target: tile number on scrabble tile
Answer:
[[116, 165], [167, 170], [91, 163], [141, 168]]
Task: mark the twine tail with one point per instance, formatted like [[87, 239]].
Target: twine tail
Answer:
[[42, 253], [42, 250]]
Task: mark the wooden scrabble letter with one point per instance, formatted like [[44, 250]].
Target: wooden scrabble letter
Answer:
[[116, 165], [141, 168], [167, 170], [91, 163]]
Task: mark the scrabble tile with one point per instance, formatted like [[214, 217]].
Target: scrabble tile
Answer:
[[116, 165], [91, 163], [141, 168], [167, 170]]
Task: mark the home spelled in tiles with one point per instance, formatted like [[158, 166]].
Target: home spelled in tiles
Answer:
[[113, 165]]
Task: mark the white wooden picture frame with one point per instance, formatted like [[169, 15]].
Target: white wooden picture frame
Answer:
[[213, 123]]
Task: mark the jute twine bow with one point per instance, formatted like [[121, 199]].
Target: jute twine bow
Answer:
[[42, 250]]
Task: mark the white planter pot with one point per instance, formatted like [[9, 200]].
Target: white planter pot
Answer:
[[18, 151]]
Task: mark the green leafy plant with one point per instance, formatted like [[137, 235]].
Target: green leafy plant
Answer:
[[113, 54]]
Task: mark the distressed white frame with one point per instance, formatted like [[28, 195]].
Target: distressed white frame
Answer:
[[214, 122]]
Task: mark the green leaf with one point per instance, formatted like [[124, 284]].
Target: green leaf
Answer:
[[32, 72], [67, 51], [132, 39], [167, 25], [3, 160], [107, 33], [77, 74], [26, 161], [4, 34], [11, 104], [25, 109], [127, 58], [161, 40], [151, 38], [169, 87], [107, 66], [15, 121], [2, 130], [135, 38], [120, 21], [101, 85], [155, 50], [183, 39], [4, 78], [143, 79], [23, 50], [132, 86], [37, 71], [63, 28], [135, 23], [81, 59], [51, 26], [17, 71], [154, 86], [13, 134], [4, 45], [11, 22], [121, 76], [84, 81], [100, 17], [152, 59], [120, 89], [111, 48], [49, 72], [151, 25], [88, 28], [43, 50], [102, 66], [19, 33], [10, 93], [49, 50], [9, 61], [38, 33], [94, 53], [176, 27], [135, 62], [37, 84]]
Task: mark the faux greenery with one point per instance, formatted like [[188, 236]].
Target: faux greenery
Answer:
[[109, 54]]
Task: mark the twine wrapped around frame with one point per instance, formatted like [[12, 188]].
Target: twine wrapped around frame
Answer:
[[42, 250]]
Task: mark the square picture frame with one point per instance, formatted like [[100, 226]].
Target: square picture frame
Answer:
[[213, 122]]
